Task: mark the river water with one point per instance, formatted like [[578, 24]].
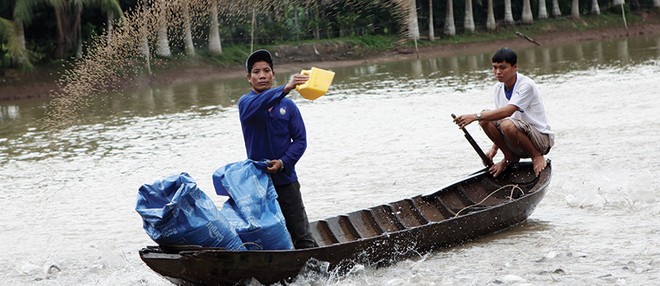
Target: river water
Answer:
[[382, 133]]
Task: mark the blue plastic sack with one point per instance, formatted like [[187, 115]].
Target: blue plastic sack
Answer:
[[252, 208], [176, 212]]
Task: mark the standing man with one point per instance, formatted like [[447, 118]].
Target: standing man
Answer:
[[273, 129], [518, 126]]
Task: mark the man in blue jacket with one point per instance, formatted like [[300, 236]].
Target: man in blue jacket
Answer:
[[273, 130]]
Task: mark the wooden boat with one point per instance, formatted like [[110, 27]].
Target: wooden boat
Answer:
[[470, 208]]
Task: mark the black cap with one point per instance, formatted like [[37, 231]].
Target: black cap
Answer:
[[258, 55]]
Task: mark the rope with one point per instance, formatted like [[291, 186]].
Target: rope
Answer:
[[510, 197], [252, 243]]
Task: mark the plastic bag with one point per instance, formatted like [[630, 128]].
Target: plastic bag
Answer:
[[176, 212], [252, 208]]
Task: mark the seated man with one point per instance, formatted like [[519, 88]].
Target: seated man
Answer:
[[518, 126]]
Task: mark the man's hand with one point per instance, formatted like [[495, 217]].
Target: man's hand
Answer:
[[296, 79], [274, 166], [464, 119]]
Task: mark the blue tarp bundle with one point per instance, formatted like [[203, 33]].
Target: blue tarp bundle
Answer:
[[252, 208], [176, 212]]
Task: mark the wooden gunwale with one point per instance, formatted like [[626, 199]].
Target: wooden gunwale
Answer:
[[376, 236]]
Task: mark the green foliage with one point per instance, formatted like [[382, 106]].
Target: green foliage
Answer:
[[365, 24], [233, 55], [372, 42]]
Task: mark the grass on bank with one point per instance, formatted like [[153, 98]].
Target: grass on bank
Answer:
[[358, 46], [234, 55]]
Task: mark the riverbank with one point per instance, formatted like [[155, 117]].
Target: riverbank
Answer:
[[15, 85]]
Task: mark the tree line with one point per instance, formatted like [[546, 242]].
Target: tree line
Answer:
[[40, 31]]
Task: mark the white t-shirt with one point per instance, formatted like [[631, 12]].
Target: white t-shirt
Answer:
[[526, 97]]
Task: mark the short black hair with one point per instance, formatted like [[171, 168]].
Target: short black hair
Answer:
[[256, 56], [505, 55]]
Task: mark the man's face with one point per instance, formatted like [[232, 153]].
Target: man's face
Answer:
[[504, 72], [261, 76]]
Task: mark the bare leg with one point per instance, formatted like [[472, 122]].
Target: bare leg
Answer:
[[520, 138], [496, 136]]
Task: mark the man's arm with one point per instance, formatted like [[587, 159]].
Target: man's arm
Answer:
[[498, 113], [486, 115], [251, 105]]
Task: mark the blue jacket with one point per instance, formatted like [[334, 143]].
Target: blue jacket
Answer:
[[273, 129]]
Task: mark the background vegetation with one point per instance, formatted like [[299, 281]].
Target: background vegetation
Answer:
[[42, 32]]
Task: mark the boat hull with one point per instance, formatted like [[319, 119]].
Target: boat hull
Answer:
[[471, 208]]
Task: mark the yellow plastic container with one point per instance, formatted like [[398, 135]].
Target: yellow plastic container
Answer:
[[317, 85]]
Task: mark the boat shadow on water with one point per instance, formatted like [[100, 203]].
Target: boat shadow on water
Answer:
[[471, 208]]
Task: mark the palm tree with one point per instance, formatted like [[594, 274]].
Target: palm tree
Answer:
[[162, 40], [469, 18], [490, 22], [68, 17], [413, 25], [22, 15], [543, 12], [215, 46], [527, 17], [111, 7], [8, 36], [555, 8], [450, 28], [431, 30], [187, 30], [595, 9], [113, 12], [508, 15], [575, 9], [67, 30]]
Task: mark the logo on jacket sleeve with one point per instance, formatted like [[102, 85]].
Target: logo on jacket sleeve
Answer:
[[282, 110]]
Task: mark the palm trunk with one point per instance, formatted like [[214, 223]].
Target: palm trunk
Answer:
[[575, 9], [431, 30], [144, 48], [527, 17], [79, 45], [78, 35], [491, 25], [21, 59], [296, 23], [595, 9], [469, 17], [450, 28], [556, 12], [254, 26], [508, 15], [110, 25], [543, 12], [187, 30], [215, 46], [163, 43], [317, 30], [413, 25], [60, 19]]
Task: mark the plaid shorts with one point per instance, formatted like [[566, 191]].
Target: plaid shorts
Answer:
[[541, 141]]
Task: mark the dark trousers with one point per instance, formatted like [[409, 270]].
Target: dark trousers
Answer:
[[293, 209]]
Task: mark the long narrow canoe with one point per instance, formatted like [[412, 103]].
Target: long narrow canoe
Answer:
[[473, 207]]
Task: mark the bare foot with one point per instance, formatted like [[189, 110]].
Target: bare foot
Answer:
[[498, 168], [539, 164]]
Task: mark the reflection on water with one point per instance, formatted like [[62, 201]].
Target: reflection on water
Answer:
[[455, 73], [70, 195]]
